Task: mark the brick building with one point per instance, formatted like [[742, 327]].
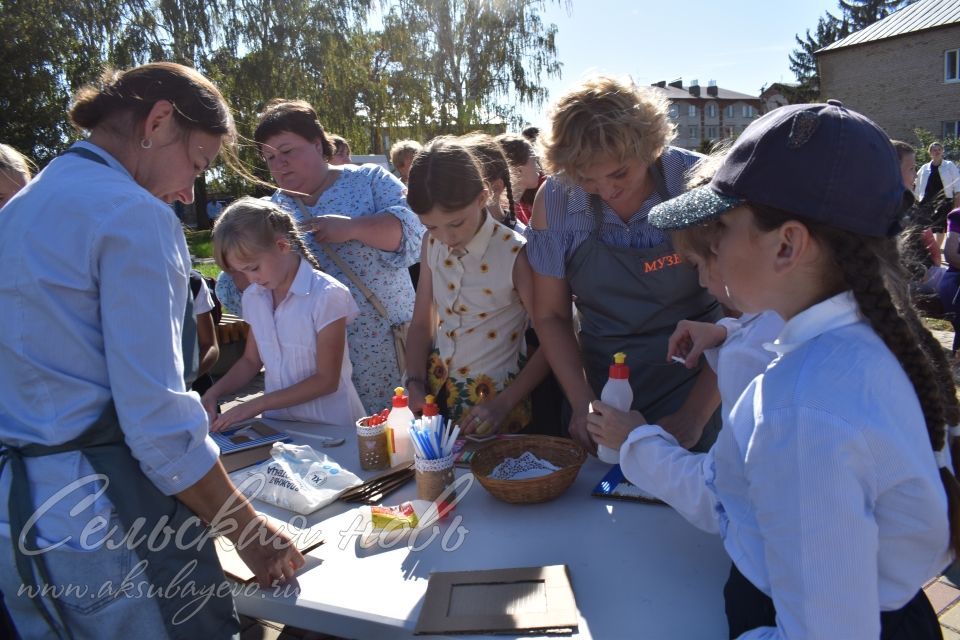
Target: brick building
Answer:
[[903, 71], [707, 113]]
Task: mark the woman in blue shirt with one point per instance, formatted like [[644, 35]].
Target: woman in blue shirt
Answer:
[[106, 451]]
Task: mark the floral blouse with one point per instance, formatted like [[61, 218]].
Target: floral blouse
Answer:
[[364, 191], [480, 344]]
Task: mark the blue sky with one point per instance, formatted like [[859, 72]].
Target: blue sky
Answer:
[[742, 44]]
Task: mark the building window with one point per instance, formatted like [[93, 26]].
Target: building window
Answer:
[[951, 129], [747, 111], [692, 111], [711, 110], [694, 133], [728, 131], [712, 133], [674, 111], [730, 111], [951, 66]]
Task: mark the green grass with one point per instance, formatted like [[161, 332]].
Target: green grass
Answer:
[[200, 246], [938, 324], [199, 243], [208, 269]]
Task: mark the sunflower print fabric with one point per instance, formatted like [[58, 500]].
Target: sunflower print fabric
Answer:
[[456, 395], [479, 346]]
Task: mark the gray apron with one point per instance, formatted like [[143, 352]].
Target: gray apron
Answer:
[[135, 498], [630, 300]]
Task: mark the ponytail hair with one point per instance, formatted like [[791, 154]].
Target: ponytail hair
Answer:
[[870, 268], [250, 226], [197, 103]]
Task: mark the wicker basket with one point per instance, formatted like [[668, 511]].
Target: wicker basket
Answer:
[[566, 454]]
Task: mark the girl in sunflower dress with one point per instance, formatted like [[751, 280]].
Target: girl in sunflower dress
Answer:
[[466, 342]]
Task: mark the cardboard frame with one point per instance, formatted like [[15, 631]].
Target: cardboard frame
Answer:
[[500, 600]]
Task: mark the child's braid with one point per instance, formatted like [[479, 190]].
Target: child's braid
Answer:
[[284, 223], [511, 218], [859, 261]]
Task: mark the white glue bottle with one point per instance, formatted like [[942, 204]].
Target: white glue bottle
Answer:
[[618, 394], [398, 429]]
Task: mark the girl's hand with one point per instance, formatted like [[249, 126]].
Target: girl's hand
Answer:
[[416, 395], [485, 419], [235, 415], [270, 554], [330, 228], [690, 339], [610, 427], [210, 402], [578, 429], [685, 430]]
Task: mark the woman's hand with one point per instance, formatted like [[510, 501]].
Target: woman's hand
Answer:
[[690, 339], [236, 415], [270, 554], [610, 427], [330, 228], [486, 418]]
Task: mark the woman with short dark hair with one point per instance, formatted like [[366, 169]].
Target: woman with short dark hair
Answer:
[[357, 217]]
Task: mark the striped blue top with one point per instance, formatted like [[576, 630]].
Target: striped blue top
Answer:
[[570, 221]]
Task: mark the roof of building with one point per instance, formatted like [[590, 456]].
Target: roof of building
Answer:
[[675, 93], [919, 16]]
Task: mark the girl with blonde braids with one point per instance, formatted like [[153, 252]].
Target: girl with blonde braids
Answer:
[[298, 317], [832, 483]]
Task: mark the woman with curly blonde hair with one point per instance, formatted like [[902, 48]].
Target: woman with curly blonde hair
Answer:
[[608, 156]]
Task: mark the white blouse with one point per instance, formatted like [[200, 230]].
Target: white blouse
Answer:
[[287, 340], [823, 486]]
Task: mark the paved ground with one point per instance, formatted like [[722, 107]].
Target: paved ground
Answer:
[[943, 592]]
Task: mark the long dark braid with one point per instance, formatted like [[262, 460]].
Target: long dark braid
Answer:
[[511, 218], [868, 267], [494, 165]]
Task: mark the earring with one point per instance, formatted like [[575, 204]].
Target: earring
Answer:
[[145, 143]]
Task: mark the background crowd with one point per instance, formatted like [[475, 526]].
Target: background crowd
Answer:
[[540, 256]]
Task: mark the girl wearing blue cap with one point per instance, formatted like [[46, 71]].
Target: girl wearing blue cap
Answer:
[[832, 486]]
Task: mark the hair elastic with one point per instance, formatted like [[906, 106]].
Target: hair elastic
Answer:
[[943, 457]]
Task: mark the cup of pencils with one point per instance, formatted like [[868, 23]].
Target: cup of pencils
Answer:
[[433, 442], [372, 442]]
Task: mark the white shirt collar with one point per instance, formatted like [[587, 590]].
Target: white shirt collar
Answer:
[[477, 246], [833, 313], [304, 278]]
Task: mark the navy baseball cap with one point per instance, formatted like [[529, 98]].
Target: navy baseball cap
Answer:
[[822, 162]]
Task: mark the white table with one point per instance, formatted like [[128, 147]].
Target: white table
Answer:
[[637, 570]]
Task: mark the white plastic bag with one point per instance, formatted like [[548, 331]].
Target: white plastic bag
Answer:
[[295, 478]]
